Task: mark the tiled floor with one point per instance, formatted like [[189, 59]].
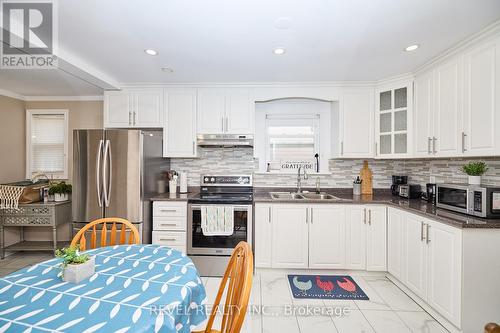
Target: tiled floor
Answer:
[[388, 310]]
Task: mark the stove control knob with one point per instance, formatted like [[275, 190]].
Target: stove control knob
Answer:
[[212, 179], [206, 179]]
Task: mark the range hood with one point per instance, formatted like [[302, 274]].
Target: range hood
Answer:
[[225, 140]]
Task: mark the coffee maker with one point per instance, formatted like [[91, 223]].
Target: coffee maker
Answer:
[[430, 193], [396, 181]]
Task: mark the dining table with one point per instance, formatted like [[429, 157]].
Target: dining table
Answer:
[[135, 288]]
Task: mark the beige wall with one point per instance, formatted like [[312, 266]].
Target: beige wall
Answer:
[[12, 139], [82, 115]]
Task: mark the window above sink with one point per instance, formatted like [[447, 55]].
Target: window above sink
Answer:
[[290, 132]]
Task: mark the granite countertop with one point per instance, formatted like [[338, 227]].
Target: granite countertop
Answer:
[[49, 204], [417, 206]]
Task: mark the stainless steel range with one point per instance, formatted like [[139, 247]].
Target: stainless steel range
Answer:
[[211, 253]]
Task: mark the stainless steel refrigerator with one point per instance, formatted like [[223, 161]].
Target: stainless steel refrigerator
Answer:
[[115, 173]]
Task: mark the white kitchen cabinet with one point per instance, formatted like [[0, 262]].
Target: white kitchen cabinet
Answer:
[[444, 260], [290, 236], [170, 224], [366, 237], [432, 261], [211, 110], [438, 111], [376, 238], [356, 237], [117, 109], [179, 135], [148, 108], [356, 123], [393, 115], [138, 108], [263, 232], [327, 241], [240, 111], [423, 115], [482, 100], [225, 111], [446, 138], [395, 234], [415, 255]]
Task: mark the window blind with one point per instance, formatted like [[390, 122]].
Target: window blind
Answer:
[[48, 143]]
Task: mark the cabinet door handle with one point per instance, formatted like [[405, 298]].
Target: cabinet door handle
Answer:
[[168, 224], [427, 238], [168, 210], [135, 117], [227, 124], [463, 142], [311, 216], [194, 143], [130, 118], [342, 148], [422, 238], [307, 216], [269, 214], [369, 216], [222, 123], [168, 239], [364, 215], [429, 145], [434, 139], [376, 149]]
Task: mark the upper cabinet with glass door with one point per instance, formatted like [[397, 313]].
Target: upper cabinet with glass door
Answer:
[[393, 116]]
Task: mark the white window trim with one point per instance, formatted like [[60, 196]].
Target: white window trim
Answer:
[[285, 116], [29, 115]]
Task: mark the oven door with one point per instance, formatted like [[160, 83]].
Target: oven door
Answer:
[[218, 245], [456, 198]]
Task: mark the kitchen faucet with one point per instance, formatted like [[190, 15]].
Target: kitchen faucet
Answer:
[[299, 179]]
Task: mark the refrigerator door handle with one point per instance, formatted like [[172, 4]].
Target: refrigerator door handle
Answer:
[[107, 182], [98, 173]]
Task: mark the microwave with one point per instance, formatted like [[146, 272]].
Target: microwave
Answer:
[[476, 200]]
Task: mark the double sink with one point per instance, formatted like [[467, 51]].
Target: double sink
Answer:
[[302, 196]]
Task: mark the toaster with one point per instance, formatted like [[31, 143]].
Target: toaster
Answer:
[[410, 191]]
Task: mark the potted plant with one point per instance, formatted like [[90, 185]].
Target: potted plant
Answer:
[[75, 266], [475, 170], [60, 191]]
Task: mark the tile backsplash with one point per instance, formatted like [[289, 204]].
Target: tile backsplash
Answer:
[[241, 161]]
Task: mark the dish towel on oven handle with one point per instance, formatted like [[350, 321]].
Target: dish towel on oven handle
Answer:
[[217, 220]]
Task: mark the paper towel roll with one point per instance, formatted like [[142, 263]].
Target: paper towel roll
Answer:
[[183, 184]]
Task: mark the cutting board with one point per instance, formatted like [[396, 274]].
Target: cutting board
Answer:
[[366, 176]]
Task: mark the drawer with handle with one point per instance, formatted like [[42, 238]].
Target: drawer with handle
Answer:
[[170, 239], [169, 209], [170, 223]]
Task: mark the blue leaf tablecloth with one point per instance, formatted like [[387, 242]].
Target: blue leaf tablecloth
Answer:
[[136, 288]]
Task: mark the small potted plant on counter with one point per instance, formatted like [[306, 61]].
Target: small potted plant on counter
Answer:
[[60, 191], [475, 170], [75, 266]]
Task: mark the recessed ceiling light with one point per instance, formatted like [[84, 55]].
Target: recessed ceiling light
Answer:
[[279, 51], [151, 52], [412, 48], [167, 70]]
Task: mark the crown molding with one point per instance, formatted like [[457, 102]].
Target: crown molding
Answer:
[[489, 32], [319, 84], [63, 98], [11, 94]]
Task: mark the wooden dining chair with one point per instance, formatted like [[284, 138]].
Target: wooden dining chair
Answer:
[[81, 241], [239, 273], [492, 328]]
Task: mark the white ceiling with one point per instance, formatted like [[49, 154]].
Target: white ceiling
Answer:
[[232, 41]]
